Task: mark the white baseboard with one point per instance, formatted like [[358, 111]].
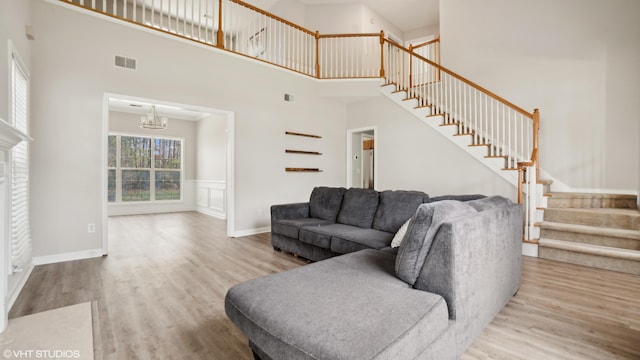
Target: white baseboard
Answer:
[[78, 255], [248, 232], [530, 250], [14, 295]]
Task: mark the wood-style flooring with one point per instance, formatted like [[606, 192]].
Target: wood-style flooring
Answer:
[[160, 295]]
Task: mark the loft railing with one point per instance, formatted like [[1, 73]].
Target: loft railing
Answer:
[[506, 130]]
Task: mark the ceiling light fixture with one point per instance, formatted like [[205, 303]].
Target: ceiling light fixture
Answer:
[[153, 121]]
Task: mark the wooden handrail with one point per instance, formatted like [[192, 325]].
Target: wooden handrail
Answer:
[[275, 17], [349, 35], [436, 40], [468, 82]]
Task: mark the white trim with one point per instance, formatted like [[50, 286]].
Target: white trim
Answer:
[[529, 249], [230, 146], [249, 232], [231, 174], [23, 280], [77, 255]]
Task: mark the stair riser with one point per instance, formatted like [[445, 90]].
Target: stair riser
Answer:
[[601, 240], [591, 203], [601, 262], [620, 221]]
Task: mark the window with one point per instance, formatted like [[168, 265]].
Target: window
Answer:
[[20, 232], [144, 168]]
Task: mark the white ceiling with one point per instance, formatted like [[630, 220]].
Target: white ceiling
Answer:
[[142, 108], [406, 15]]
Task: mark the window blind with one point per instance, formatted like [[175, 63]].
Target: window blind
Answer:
[[20, 233]]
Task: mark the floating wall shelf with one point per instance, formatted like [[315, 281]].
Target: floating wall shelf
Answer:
[[300, 134], [302, 169], [303, 152]]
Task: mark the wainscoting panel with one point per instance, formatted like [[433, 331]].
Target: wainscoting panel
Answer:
[[211, 198]]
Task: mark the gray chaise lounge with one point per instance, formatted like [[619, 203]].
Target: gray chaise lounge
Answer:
[[458, 265]]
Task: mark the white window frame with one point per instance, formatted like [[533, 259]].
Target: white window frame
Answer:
[[152, 169], [19, 258]]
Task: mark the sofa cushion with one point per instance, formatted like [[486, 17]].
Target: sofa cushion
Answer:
[[321, 235], [465, 197], [358, 207], [360, 239], [489, 203], [346, 307], [395, 208], [291, 227], [423, 227], [325, 202]]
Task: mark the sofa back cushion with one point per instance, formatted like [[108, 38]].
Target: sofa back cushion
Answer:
[[423, 227], [358, 207], [490, 203], [325, 202], [395, 208]]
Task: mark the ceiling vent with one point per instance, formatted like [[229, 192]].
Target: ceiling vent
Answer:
[[124, 62]]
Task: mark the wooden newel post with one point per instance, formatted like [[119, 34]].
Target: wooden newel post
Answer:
[[536, 130], [382, 53], [318, 54], [220, 38]]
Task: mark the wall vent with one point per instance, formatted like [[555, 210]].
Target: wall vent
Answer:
[[124, 62]]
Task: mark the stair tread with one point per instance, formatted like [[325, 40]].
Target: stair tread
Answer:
[[571, 195], [592, 230], [590, 249], [613, 211]]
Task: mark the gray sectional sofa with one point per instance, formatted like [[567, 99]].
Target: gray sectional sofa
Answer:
[[338, 221], [458, 264]]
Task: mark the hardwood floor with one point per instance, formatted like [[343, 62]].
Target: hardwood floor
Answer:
[[160, 295]]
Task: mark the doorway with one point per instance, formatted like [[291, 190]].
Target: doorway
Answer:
[[125, 112], [362, 159]]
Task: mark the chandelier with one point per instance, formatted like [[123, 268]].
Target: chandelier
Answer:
[[153, 121]]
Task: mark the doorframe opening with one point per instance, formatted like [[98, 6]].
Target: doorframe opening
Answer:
[[350, 151], [230, 158]]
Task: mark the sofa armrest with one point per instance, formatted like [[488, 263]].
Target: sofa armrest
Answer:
[[475, 264], [289, 211]]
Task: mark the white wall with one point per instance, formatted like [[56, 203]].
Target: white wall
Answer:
[[346, 19], [290, 10], [211, 186], [75, 68], [576, 60], [411, 156], [211, 148]]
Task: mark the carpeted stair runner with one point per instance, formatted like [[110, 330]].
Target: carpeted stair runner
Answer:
[[596, 230]]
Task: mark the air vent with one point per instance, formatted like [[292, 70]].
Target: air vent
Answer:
[[124, 62]]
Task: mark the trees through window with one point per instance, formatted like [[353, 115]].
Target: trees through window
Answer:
[[144, 168]]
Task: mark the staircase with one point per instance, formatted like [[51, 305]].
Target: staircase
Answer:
[[596, 230]]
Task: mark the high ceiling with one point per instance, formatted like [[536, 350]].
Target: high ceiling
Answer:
[[406, 15]]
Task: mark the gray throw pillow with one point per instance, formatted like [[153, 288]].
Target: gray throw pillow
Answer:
[[422, 229]]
